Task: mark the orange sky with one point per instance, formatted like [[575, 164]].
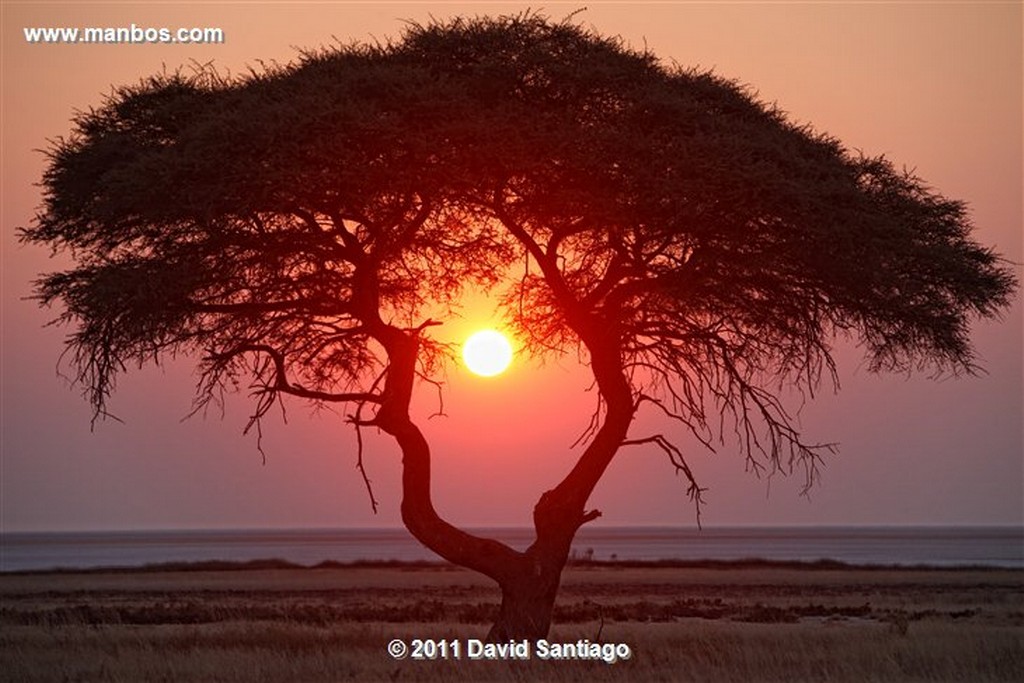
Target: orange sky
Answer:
[[936, 87]]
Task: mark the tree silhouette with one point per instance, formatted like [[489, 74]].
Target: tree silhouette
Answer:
[[301, 228]]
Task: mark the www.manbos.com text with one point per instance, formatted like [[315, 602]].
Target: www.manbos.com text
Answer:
[[130, 34]]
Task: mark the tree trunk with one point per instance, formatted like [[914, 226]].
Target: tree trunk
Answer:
[[527, 605], [529, 580], [528, 594]]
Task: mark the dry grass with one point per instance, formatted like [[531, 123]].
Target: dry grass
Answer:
[[725, 624]]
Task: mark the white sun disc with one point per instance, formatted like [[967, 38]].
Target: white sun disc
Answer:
[[487, 353]]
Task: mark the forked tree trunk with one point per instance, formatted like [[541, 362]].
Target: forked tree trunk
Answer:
[[529, 580], [528, 593]]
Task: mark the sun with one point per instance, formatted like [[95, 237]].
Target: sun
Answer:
[[487, 353]]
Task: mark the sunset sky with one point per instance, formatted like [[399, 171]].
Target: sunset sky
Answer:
[[935, 87]]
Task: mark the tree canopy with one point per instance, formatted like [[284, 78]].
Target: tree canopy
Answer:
[[301, 227]]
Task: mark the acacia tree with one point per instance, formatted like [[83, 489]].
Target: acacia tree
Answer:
[[301, 228]]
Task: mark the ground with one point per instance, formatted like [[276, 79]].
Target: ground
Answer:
[[728, 622]]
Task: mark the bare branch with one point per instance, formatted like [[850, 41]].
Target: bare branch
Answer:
[[357, 424], [675, 456], [281, 383]]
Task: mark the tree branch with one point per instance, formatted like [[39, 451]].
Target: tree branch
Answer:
[[249, 307], [284, 386], [675, 456], [357, 423]]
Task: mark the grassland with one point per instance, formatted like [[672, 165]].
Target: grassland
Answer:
[[753, 622]]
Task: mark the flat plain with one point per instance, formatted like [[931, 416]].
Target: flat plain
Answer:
[[712, 622]]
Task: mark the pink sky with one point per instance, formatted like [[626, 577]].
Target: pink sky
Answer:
[[935, 87]]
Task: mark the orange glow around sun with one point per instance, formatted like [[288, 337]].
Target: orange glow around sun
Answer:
[[487, 353]]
